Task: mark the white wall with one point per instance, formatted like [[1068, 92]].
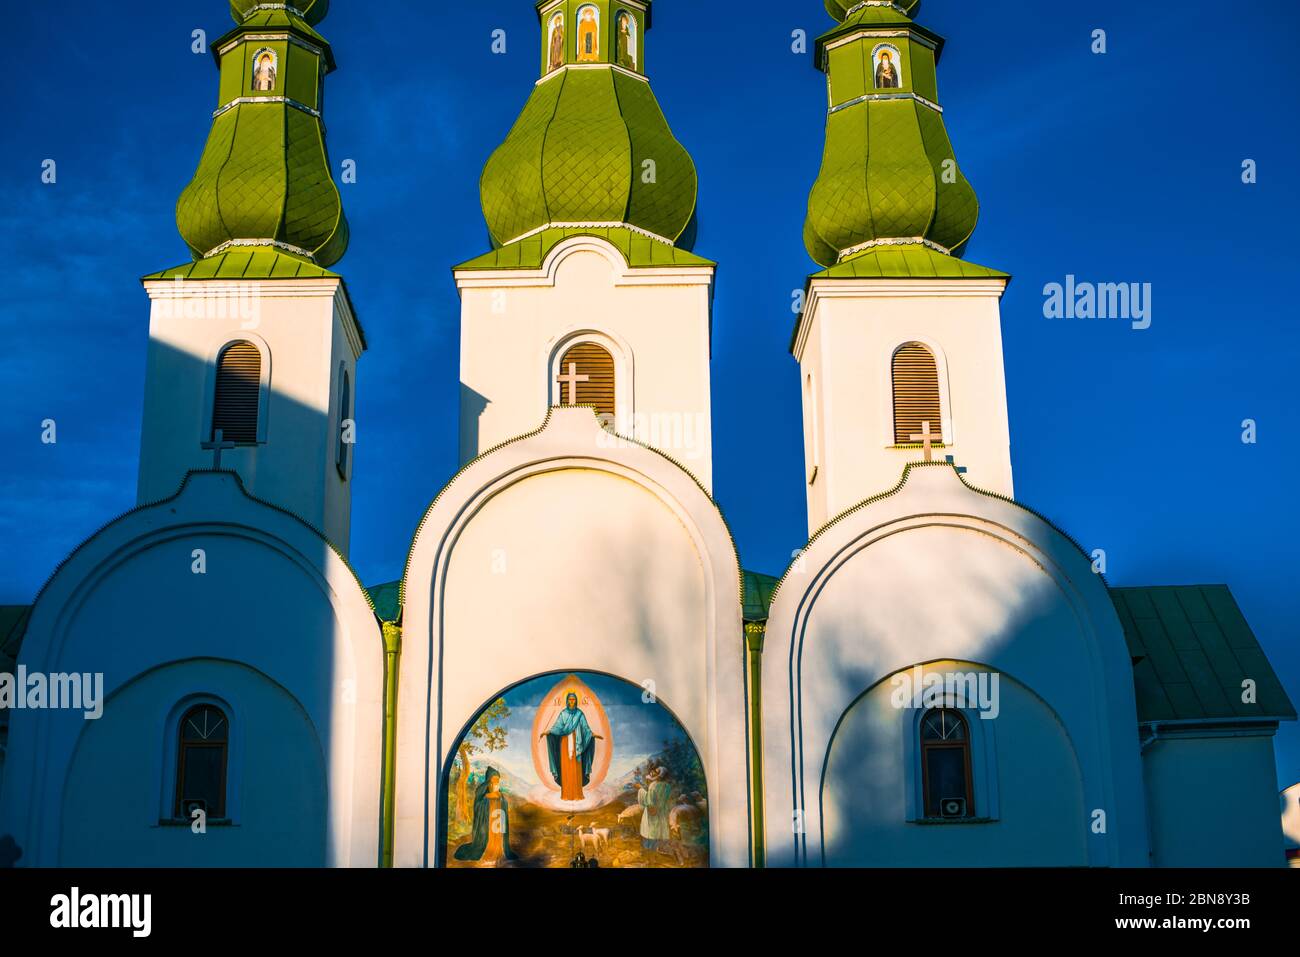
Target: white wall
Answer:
[[112, 806], [656, 322], [936, 572], [1290, 802], [274, 602], [306, 332], [553, 555], [1028, 794], [1213, 801], [847, 341]]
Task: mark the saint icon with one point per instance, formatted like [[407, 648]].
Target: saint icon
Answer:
[[489, 844], [626, 33], [887, 77], [264, 71], [588, 35], [571, 747], [555, 59]]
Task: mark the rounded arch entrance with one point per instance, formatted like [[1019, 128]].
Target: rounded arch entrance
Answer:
[[567, 767]]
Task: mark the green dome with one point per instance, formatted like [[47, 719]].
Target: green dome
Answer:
[[889, 173], [264, 179], [839, 9], [313, 11], [591, 146]]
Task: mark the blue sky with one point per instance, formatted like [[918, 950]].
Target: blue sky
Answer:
[[1121, 168]]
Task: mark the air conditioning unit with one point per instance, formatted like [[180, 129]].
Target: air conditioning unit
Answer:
[[952, 807]]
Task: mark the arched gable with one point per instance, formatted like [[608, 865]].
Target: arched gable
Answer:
[[571, 549]]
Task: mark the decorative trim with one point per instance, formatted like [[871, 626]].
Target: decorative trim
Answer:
[[867, 97], [283, 247], [894, 34], [286, 7], [901, 241], [590, 225], [267, 37], [563, 68], [239, 101], [873, 3]]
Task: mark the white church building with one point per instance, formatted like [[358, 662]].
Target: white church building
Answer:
[[940, 678]]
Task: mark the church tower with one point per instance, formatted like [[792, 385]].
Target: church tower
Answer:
[[899, 336], [253, 346], [591, 295]]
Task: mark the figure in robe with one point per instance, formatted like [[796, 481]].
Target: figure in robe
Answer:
[[571, 747], [887, 73], [490, 842], [626, 42], [264, 74], [557, 42], [588, 38], [657, 799]]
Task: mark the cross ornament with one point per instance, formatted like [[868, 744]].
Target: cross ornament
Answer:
[[927, 440], [571, 380], [217, 446]]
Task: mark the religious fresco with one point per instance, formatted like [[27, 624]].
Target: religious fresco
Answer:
[[888, 67], [576, 770], [588, 34], [264, 69], [625, 38], [555, 42]]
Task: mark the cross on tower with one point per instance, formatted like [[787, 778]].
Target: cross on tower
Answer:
[[217, 446], [571, 380], [927, 440]]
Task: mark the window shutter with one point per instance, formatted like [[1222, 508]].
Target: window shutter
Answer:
[[916, 393], [239, 389], [598, 389]]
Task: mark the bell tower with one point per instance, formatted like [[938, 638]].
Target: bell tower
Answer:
[[900, 337], [253, 345], [591, 294]]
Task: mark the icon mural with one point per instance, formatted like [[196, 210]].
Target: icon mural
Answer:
[[264, 71], [576, 770], [588, 35], [889, 66], [555, 33], [625, 33]]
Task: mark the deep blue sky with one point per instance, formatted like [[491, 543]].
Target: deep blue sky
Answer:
[[1123, 167]]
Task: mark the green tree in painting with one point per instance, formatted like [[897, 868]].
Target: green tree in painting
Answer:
[[488, 734]]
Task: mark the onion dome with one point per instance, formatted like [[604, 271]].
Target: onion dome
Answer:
[[264, 178], [889, 176], [591, 148]]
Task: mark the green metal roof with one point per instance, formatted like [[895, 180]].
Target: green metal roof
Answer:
[[1191, 650], [387, 600], [591, 146], [759, 590], [248, 262], [911, 261], [638, 250], [313, 11]]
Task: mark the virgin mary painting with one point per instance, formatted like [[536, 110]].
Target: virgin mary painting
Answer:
[[489, 843], [571, 747]]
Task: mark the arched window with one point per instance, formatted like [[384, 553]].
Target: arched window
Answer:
[[238, 393], [204, 739], [346, 431], [946, 764], [916, 394], [586, 377]]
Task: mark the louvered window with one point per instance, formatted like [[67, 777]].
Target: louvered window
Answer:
[[586, 377], [346, 429], [916, 394], [238, 394]]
